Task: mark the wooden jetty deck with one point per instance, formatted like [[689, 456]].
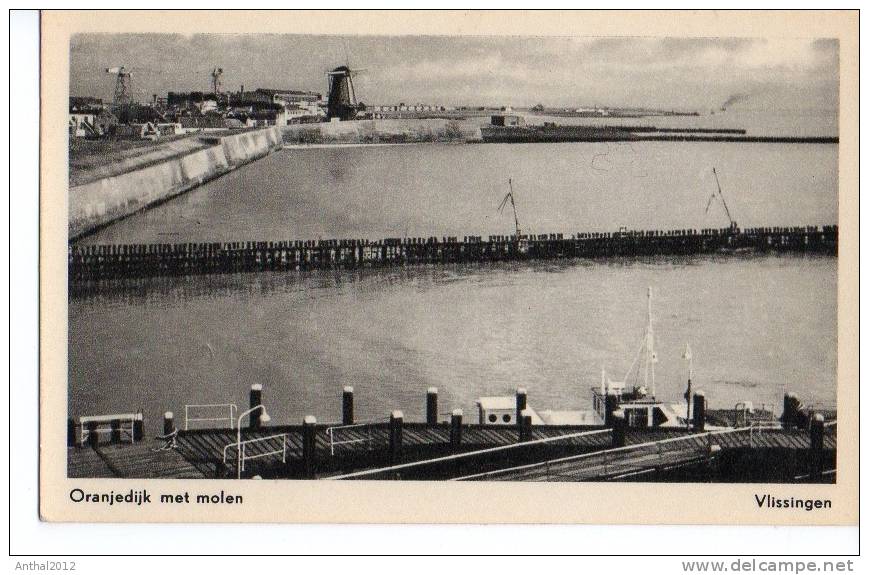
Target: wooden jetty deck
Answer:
[[135, 460], [640, 458], [115, 446], [98, 262], [366, 451]]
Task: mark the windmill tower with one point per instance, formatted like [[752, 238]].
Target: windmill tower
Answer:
[[123, 79], [342, 102]]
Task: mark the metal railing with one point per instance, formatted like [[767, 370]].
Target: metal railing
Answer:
[[745, 414], [620, 461], [389, 471], [103, 424], [334, 430], [241, 449], [230, 418]]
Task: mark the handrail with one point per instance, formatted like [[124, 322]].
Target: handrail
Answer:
[[470, 454], [243, 447], [330, 431], [605, 452], [231, 417]]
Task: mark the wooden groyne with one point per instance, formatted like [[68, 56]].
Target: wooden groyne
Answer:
[[87, 263]]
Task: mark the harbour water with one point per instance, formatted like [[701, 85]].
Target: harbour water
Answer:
[[756, 324], [437, 190]]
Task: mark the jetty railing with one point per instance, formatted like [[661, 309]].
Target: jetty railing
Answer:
[[363, 429], [231, 407], [396, 470], [619, 462], [99, 262], [241, 449]]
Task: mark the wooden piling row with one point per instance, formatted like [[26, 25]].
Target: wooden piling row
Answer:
[[88, 263]]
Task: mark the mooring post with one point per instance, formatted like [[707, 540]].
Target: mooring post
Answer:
[[93, 436], [309, 445], [816, 447], [456, 429], [115, 435], [699, 409], [525, 425], [521, 404], [611, 403], [168, 423], [347, 406], [71, 440], [790, 411], [256, 399], [620, 425], [396, 421], [139, 427], [431, 406]]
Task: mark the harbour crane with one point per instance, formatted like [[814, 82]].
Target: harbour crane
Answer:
[[123, 79], [216, 73], [509, 196], [733, 225]]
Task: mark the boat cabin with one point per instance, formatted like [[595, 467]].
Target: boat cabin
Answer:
[[641, 409]]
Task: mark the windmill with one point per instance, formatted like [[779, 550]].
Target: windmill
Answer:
[[342, 102], [123, 81]]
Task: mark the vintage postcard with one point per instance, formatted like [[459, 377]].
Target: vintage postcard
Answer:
[[487, 267]]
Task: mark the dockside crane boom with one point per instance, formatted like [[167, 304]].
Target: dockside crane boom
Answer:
[[509, 196]]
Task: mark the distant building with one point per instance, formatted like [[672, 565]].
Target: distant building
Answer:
[[146, 130], [508, 120], [210, 122], [83, 114], [290, 97]]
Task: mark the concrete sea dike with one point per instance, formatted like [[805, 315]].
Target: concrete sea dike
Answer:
[[104, 200]]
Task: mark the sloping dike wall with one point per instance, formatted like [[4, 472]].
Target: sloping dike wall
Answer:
[[104, 200]]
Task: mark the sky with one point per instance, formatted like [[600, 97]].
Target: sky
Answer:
[[668, 73]]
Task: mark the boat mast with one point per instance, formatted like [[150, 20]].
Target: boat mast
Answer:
[[720, 195], [509, 196], [651, 356], [690, 357]]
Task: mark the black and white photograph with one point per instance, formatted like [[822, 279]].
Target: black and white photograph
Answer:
[[453, 258]]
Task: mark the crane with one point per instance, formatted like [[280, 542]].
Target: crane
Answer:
[[123, 79], [216, 73], [509, 196], [723, 202]]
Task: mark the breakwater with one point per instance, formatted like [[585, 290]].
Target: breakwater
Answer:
[[88, 263], [558, 134], [103, 200]]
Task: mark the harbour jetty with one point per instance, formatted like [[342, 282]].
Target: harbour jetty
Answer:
[[616, 133], [215, 441], [98, 262]]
